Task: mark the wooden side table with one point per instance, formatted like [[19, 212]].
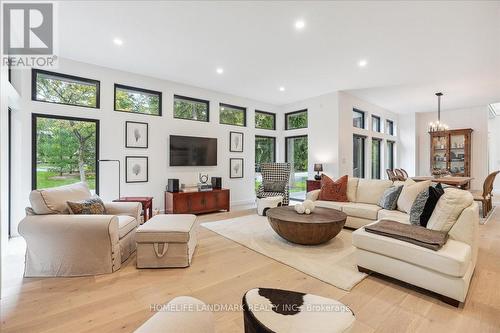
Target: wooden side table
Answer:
[[313, 184], [146, 202]]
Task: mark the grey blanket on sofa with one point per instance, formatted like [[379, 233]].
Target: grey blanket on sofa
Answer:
[[421, 236]]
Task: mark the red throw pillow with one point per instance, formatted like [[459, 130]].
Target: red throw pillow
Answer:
[[333, 190]]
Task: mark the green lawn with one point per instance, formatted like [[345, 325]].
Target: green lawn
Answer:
[[300, 186], [47, 179]]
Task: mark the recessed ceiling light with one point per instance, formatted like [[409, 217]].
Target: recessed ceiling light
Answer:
[[219, 70], [118, 41], [362, 63], [282, 88], [300, 24]]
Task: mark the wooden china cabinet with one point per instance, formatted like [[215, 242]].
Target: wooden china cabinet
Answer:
[[451, 150]]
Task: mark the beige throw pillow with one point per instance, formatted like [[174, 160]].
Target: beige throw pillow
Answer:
[[409, 193], [449, 208]]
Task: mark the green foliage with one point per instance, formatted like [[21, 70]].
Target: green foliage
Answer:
[[264, 150], [193, 110], [60, 90], [138, 102], [297, 120], [297, 147], [264, 120], [231, 116]]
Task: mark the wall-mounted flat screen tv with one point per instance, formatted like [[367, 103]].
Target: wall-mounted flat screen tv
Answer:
[[192, 151]]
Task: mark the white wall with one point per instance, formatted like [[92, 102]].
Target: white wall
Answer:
[[475, 118], [112, 136], [494, 149], [407, 144]]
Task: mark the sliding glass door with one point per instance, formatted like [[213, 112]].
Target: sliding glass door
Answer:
[[296, 155], [265, 152], [65, 151]]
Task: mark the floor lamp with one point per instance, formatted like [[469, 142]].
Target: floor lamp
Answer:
[[119, 175]]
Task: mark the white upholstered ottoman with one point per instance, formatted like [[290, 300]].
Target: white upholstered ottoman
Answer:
[[263, 204], [166, 241]]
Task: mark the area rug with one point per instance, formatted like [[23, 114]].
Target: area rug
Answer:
[[332, 262]]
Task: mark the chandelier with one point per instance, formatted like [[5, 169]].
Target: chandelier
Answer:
[[438, 126]]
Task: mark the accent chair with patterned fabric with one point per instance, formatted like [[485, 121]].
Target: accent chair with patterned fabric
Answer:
[[275, 181]]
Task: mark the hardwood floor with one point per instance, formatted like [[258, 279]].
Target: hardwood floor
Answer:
[[221, 272]]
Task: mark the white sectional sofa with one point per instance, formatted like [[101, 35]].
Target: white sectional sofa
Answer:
[[446, 272]]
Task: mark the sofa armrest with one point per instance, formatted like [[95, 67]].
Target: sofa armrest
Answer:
[[132, 209], [70, 245], [313, 195]]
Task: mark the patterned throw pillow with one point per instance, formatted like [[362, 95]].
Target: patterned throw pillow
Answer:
[[274, 185], [390, 197], [434, 194], [333, 190], [418, 207], [93, 205]]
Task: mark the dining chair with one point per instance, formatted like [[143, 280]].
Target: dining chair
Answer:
[[405, 174], [391, 175], [400, 174], [485, 196]]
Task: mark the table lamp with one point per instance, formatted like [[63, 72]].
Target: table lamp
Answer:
[[318, 168]]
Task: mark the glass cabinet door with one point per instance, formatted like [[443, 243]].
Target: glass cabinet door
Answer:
[[457, 154], [439, 152]]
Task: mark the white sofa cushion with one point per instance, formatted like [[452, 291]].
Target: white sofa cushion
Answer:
[[452, 259], [53, 200], [362, 210], [330, 204], [352, 188], [371, 190], [448, 209], [409, 193], [393, 215]]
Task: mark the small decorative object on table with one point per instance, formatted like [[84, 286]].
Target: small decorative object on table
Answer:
[[318, 168], [307, 207], [202, 185], [263, 204]]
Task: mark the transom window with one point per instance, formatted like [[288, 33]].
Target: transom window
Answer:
[[389, 127], [232, 115], [191, 108], [296, 120], [65, 89], [137, 100], [358, 118], [376, 123], [265, 120]]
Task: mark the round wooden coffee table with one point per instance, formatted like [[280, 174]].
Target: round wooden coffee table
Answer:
[[319, 227]]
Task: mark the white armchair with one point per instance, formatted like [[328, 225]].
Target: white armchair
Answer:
[[61, 244]]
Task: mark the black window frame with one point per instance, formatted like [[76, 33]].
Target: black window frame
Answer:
[[379, 173], [274, 146], [34, 117], [363, 118], [391, 145], [97, 83], [266, 113], [292, 113], [192, 99], [391, 127], [241, 108], [379, 125], [147, 91], [363, 154]]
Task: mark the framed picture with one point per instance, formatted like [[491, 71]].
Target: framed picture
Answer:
[[235, 168], [236, 142], [136, 134], [136, 169]]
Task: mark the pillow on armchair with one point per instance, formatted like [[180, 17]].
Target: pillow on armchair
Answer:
[[93, 205], [274, 185]]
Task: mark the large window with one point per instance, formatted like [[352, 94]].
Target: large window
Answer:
[[64, 89], [389, 127], [137, 100], [390, 154], [265, 120], [376, 146], [358, 157], [296, 120], [358, 118], [65, 151], [191, 108], [232, 115], [376, 123], [265, 152], [296, 155]]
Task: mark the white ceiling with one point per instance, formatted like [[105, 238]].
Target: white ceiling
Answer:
[[413, 48]]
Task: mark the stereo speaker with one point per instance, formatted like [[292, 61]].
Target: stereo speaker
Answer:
[[216, 183], [173, 185]]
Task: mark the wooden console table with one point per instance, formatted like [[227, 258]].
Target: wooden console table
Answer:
[[146, 202], [196, 202]]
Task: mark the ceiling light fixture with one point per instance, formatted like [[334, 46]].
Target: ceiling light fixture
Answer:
[[362, 63], [438, 125], [300, 24], [219, 70], [282, 88], [118, 41]]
